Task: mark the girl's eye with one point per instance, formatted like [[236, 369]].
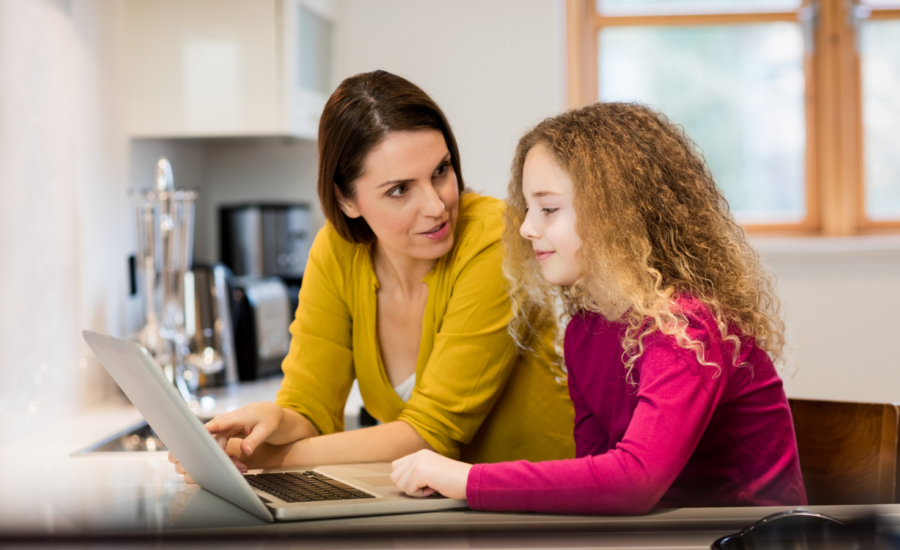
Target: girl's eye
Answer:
[[398, 191], [549, 210]]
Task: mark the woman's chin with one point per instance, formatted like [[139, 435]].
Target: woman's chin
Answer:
[[436, 250]]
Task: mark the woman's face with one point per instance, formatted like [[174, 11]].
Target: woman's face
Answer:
[[408, 194], [550, 218]]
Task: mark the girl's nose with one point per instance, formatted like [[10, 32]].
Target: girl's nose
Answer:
[[527, 229]]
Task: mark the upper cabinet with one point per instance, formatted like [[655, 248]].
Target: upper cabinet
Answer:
[[216, 68]]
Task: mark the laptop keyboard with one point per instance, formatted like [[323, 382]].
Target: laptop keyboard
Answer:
[[304, 487]]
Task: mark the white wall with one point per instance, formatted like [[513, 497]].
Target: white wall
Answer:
[[495, 67], [841, 299], [63, 177]]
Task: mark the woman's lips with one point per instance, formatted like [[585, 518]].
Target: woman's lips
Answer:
[[543, 254], [438, 232]]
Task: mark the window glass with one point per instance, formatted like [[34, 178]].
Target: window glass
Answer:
[[738, 90], [880, 65], [639, 7], [881, 3]]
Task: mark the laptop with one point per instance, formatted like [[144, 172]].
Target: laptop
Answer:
[[347, 490]]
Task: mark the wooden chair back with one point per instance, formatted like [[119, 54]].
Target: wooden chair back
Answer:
[[848, 451]]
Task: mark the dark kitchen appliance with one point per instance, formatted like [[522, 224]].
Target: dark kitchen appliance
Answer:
[[266, 240], [266, 246], [262, 313]]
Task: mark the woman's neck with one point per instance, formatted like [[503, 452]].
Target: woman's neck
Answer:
[[399, 269]]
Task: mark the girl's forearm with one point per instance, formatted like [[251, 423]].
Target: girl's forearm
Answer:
[[382, 443]]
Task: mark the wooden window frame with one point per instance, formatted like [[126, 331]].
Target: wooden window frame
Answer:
[[835, 190]]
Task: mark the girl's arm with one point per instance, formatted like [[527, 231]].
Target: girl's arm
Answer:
[[676, 400], [424, 473]]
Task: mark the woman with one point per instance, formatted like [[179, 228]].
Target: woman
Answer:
[[403, 291]]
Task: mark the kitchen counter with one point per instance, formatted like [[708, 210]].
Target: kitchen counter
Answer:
[[52, 495]]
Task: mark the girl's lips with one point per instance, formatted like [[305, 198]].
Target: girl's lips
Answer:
[[543, 254], [437, 233]]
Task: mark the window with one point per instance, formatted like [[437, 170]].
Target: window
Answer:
[[794, 103]]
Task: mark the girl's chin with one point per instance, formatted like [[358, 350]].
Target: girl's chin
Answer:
[[557, 279]]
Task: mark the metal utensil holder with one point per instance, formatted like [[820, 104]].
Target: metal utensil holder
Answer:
[[165, 234]]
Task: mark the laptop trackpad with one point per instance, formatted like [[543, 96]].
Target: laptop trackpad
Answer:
[[376, 481]]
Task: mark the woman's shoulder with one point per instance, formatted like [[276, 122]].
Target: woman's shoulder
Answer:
[[475, 206], [477, 251], [333, 252], [479, 222]]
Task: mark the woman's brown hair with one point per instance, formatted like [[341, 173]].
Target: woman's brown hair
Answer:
[[360, 113], [653, 225]]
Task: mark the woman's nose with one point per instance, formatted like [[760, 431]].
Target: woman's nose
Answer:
[[434, 206]]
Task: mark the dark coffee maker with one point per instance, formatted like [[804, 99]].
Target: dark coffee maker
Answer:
[[266, 247]]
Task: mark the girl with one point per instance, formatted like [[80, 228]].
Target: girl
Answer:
[[404, 292], [674, 325]]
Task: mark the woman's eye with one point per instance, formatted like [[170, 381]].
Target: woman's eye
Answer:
[[398, 191], [441, 170], [549, 210]]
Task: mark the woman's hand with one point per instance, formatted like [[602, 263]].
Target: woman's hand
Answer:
[[424, 473], [255, 422], [223, 442]]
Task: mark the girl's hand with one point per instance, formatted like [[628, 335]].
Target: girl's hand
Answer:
[[424, 473], [255, 422]]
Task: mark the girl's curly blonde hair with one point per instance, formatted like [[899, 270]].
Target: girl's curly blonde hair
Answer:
[[653, 227]]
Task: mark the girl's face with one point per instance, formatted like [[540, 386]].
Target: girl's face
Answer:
[[550, 219], [408, 195]]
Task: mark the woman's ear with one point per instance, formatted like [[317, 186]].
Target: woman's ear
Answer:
[[347, 206]]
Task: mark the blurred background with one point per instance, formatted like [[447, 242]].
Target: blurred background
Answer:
[[795, 104]]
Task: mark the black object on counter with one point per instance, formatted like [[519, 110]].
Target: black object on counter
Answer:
[[802, 529], [366, 419], [266, 239], [261, 312]]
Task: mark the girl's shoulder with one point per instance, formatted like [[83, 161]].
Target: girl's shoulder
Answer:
[[703, 328], [698, 315]]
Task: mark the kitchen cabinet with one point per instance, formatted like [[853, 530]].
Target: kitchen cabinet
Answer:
[[221, 68]]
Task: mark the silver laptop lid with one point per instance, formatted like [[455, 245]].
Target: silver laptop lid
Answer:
[[165, 410]]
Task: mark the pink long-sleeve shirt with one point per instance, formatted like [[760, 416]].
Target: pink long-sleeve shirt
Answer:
[[684, 434]]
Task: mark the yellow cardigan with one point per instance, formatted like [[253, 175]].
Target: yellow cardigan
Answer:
[[475, 398]]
